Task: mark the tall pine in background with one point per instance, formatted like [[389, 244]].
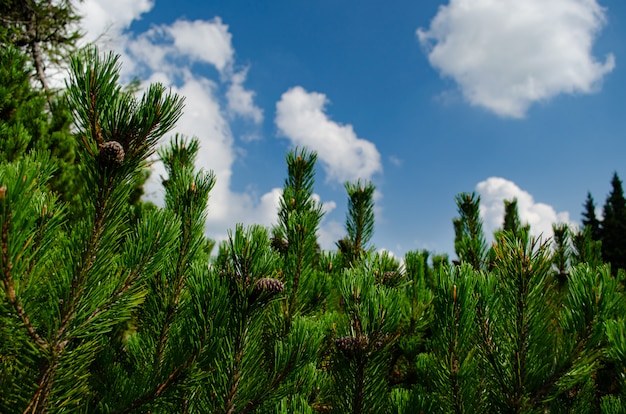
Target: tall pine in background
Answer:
[[613, 227], [31, 120], [46, 31], [590, 219]]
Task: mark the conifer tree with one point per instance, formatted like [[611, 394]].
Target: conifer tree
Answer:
[[260, 366], [45, 29], [65, 291], [359, 221], [512, 222], [562, 253], [587, 250], [366, 331], [613, 227], [531, 362], [589, 217], [295, 237], [142, 367], [26, 125], [469, 242], [449, 371]]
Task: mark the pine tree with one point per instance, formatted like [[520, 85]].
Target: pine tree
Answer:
[[589, 217], [365, 333], [586, 249], [32, 121], [562, 250], [469, 242], [359, 221], [613, 227], [295, 237], [449, 373], [260, 366], [65, 290], [44, 29], [512, 222]]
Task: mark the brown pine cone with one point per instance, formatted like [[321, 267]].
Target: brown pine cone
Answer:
[[266, 286], [111, 152], [348, 345]]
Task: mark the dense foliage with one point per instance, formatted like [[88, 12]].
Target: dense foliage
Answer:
[[123, 308]]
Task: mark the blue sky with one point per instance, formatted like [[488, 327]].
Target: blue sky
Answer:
[[426, 99]]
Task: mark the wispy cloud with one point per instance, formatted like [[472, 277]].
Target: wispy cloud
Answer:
[[241, 100], [540, 216], [301, 117], [507, 54]]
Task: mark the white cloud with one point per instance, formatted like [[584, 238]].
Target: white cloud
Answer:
[[540, 216], [241, 100], [173, 47], [329, 233], [106, 20], [301, 117], [204, 41], [507, 54]]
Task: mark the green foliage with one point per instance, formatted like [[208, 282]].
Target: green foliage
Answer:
[[295, 237], [469, 241], [562, 250], [586, 249], [31, 121], [68, 289], [122, 309], [359, 222], [365, 331], [449, 367]]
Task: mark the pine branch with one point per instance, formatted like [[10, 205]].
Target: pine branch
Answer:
[[10, 286], [39, 401], [175, 376]]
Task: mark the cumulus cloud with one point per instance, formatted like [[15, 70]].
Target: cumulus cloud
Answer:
[[301, 117], [174, 47], [507, 54], [204, 41], [540, 216]]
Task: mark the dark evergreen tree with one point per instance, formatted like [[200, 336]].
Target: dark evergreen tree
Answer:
[[613, 227], [589, 218]]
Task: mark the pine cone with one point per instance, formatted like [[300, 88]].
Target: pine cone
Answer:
[[391, 278], [266, 286], [111, 152], [348, 345]]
